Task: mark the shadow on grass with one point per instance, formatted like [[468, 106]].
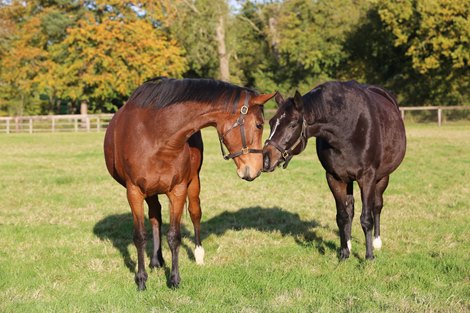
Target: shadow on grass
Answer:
[[118, 229]]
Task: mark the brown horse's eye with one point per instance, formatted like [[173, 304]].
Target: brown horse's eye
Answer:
[[259, 126], [293, 124]]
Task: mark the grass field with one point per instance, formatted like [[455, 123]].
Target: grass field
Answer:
[[271, 245]]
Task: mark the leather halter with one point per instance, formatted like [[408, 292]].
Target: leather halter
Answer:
[[287, 153], [239, 123]]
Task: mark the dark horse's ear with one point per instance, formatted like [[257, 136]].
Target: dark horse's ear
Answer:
[[298, 101], [279, 99]]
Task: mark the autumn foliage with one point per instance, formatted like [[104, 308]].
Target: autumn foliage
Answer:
[[55, 54]]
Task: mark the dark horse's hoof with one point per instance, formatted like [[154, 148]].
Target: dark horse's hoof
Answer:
[[175, 281], [140, 279], [370, 257], [343, 254]]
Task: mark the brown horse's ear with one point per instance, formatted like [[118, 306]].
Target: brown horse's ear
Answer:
[[298, 101], [262, 99], [279, 99]]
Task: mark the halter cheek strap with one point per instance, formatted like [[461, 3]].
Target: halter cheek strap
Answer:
[[239, 123], [287, 153]]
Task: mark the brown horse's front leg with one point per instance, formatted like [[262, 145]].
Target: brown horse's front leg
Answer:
[[136, 201], [177, 197]]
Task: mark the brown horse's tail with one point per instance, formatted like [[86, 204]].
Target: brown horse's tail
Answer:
[[109, 151]]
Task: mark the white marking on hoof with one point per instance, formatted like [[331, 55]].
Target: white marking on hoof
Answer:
[[377, 243], [349, 245], [199, 255]]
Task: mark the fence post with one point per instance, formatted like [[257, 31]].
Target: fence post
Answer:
[[439, 117], [53, 124], [402, 114], [88, 124], [30, 125], [98, 126], [8, 126], [76, 125]]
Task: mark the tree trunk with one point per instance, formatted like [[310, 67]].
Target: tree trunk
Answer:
[[274, 36], [224, 71]]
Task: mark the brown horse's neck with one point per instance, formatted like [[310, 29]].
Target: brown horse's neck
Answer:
[[187, 118]]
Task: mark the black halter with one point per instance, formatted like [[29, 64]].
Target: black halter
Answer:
[[240, 122], [287, 153]]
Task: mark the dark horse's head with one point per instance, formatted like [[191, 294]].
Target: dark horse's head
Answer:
[[287, 137]]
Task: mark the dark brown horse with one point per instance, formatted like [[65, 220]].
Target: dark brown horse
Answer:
[[153, 146], [360, 137]]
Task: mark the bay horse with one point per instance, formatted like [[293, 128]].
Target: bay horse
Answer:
[[153, 146], [360, 137]]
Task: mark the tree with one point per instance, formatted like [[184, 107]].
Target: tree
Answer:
[[201, 27], [97, 51], [112, 51], [435, 37]]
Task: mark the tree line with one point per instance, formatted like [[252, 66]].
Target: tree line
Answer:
[[55, 54]]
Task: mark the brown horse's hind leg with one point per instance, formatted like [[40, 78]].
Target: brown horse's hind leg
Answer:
[[155, 217], [177, 197], [342, 193], [136, 201], [367, 184], [195, 213], [379, 190]]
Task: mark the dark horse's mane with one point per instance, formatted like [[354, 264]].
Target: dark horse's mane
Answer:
[[319, 104], [160, 92]]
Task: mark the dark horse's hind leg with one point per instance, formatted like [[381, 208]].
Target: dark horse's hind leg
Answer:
[[195, 213], [379, 190], [343, 194], [136, 201], [155, 217], [367, 184]]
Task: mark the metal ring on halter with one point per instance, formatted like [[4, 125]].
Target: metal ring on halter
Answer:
[[287, 153]]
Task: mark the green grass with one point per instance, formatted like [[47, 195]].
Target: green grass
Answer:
[[271, 245]]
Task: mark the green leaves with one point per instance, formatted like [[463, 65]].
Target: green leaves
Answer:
[[100, 51]]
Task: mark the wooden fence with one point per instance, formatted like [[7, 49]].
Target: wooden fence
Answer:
[[439, 110], [54, 123], [99, 122]]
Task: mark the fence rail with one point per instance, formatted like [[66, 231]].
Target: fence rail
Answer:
[[54, 123], [99, 122], [439, 110]]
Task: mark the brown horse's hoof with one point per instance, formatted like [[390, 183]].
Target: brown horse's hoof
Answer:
[[140, 279]]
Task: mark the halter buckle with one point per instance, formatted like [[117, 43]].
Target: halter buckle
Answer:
[[244, 110], [245, 150], [285, 155]]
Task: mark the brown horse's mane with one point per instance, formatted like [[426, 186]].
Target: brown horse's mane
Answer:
[[160, 92]]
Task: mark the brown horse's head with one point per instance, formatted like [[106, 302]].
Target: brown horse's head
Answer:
[[242, 135], [287, 137]]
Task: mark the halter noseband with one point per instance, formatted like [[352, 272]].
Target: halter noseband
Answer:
[[240, 122], [287, 153]]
